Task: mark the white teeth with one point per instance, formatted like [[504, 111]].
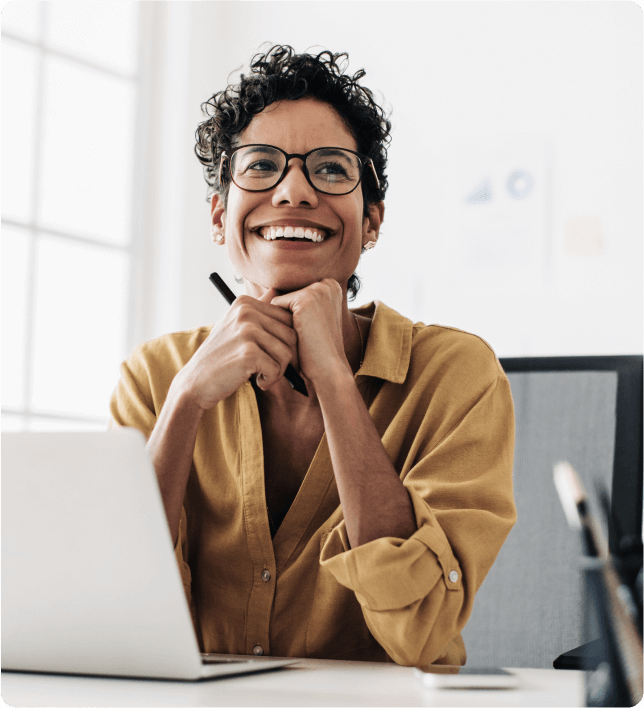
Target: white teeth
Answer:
[[273, 232]]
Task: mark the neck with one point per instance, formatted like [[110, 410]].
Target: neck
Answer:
[[353, 338]]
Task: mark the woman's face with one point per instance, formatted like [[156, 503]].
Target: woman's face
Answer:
[[296, 127]]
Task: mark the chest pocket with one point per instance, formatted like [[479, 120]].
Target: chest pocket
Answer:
[[336, 627]]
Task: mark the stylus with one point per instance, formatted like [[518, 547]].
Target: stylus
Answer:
[[290, 374]]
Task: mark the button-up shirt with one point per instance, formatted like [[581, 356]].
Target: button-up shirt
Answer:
[[442, 406]]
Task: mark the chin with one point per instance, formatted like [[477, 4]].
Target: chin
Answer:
[[291, 284]]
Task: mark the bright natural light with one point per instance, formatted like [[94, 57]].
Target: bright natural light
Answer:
[[15, 256], [81, 304], [87, 152], [102, 32], [19, 66], [69, 101], [22, 19]]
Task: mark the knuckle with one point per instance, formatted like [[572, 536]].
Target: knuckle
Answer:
[[271, 371], [246, 329], [245, 313], [247, 350], [284, 315]]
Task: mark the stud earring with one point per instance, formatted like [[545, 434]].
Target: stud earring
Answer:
[[369, 245], [216, 236]]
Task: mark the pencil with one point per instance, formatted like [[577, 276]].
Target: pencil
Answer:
[[296, 381]]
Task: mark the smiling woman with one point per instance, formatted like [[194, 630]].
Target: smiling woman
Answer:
[[356, 522]]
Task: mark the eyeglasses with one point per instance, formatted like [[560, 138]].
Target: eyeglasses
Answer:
[[330, 170]]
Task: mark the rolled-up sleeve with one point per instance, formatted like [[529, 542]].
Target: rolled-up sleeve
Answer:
[[416, 594]]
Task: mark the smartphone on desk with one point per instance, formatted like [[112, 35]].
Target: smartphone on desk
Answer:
[[446, 676]]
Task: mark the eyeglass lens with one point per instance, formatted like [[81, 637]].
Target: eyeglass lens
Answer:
[[332, 170]]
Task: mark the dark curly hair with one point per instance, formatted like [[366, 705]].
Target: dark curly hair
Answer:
[[281, 74]]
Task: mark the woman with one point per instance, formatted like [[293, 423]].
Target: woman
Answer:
[[356, 522]]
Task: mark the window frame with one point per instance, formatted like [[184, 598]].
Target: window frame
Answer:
[[135, 248]]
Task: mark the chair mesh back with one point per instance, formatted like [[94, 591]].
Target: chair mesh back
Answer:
[[529, 608]]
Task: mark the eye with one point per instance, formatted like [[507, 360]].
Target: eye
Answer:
[[332, 171], [261, 166]]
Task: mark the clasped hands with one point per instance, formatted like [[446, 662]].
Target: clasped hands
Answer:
[[262, 336]]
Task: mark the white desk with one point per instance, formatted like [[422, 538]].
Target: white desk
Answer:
[[313, 682]]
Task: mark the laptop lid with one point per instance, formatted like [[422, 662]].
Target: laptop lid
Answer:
[[89, 580]]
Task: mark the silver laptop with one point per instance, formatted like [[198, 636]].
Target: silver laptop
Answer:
[[90, 584]]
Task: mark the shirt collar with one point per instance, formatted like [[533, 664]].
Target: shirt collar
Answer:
[[388, 348]]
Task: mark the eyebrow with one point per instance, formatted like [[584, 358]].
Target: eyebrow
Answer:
[[324, 152], [340, 152], [334, 151], [256, 148]]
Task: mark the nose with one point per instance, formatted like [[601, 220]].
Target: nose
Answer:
[[294, 189]]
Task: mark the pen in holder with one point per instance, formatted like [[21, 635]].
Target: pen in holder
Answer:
[[614, 667]]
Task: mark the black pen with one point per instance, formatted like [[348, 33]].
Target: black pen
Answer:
[[296, 381]]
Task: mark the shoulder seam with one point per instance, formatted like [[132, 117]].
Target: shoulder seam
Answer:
[[419, 326], [467, 412], [182, 333]]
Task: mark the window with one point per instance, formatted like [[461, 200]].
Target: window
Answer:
[[70, 89]]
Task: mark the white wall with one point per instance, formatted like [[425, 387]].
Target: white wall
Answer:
[[475, 87]]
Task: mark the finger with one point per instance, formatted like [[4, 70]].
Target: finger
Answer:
[[249, 321], [284, 301], [277, 350], [268, 295], [277, 313], [274, 357]]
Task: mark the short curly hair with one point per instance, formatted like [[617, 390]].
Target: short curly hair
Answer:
[[281, 74]]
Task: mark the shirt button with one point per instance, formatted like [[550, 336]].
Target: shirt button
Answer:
[[266, 575], [453, 576], [258, 651]]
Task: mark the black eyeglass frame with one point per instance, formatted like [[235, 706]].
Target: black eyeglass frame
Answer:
[[364, 161]]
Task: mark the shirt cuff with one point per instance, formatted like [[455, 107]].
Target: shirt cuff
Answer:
[[390, 573]]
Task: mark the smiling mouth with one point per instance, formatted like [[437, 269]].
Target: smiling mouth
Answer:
[[293, 233]]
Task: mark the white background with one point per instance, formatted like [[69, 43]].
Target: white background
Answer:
[[474, 87]]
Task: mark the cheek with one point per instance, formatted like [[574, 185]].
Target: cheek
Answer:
[[235, 218], [352, 215]]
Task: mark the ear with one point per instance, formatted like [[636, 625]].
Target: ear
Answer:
[[371, 225], [217, 219]]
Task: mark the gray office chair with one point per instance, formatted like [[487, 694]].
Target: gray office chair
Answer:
[[588, 411]]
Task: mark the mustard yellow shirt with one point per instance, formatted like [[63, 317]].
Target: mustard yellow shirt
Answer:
[[442, 406]]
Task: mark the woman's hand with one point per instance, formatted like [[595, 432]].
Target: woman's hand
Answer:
[[254, 337], [317, 320]]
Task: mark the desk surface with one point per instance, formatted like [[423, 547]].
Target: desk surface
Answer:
[[312, 682]]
